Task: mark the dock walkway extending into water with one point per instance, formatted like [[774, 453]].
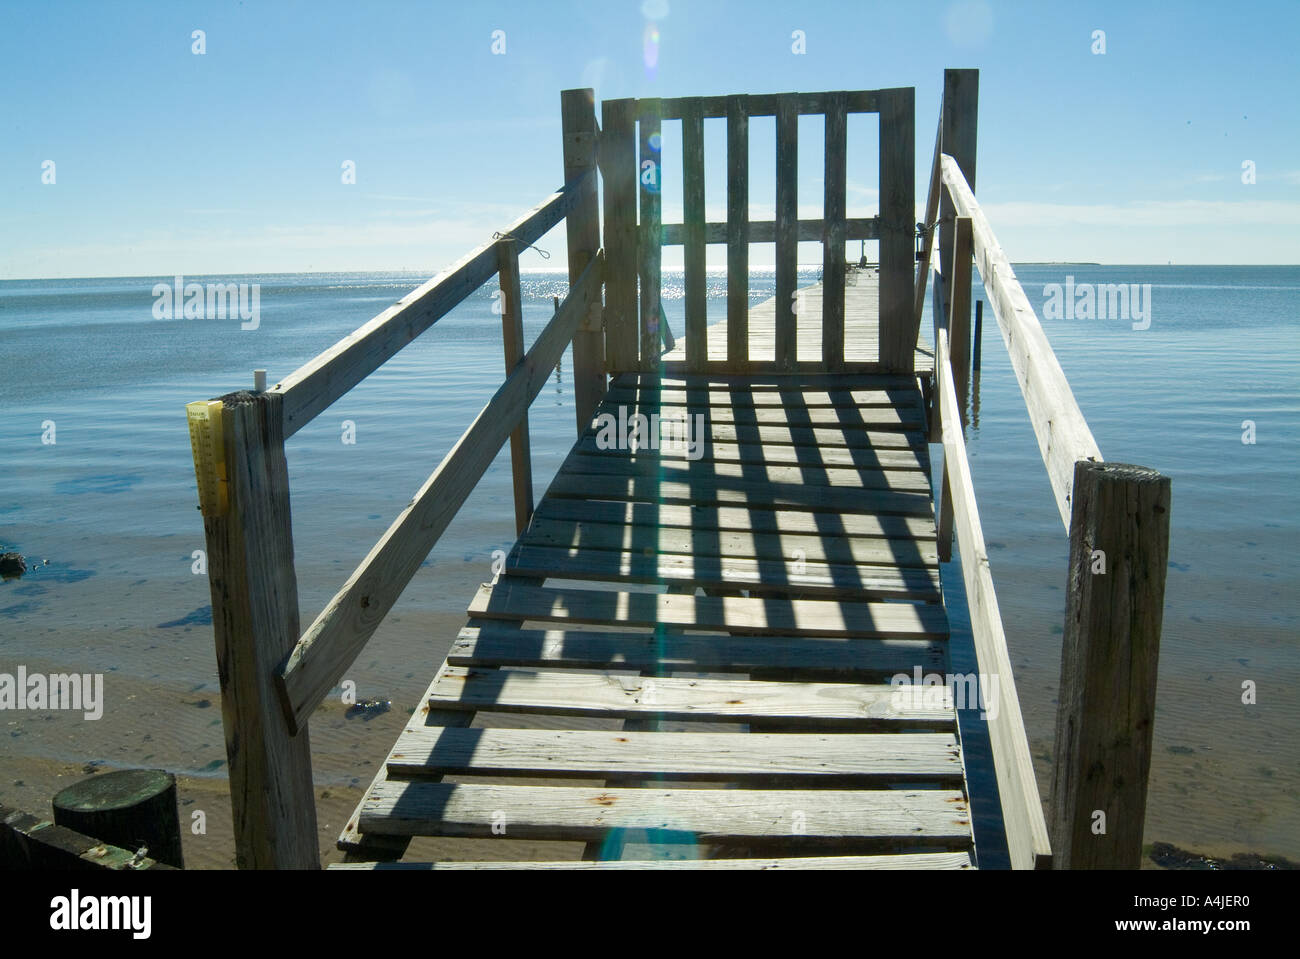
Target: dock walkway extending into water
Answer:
[[692, 656]]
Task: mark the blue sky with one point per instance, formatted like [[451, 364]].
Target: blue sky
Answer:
[[230, 162]]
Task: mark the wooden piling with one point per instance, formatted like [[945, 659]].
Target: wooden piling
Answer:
[[255, 622], [129, 808], [1119, 548], [959, 124]]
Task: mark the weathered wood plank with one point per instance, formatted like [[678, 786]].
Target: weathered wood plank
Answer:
[[689, 756], [812, 230], [765, 104], [737, 232], [787, 216], [1022, 811], [677, 393], [795, 704], [775, 453], [833, 241], [512, 334], [958, 129], [650, 185], [748, 383], [931, 221], [904, 416], [714, 492], [619, 463], [829, 527], [898, 227], [696, 305], [793, 571], [316, 384], [957, 331], [618, 166], [923, 817], [332, 642], [1063, 434], [751, 545], [582, 226], [503, 644], [810, 617], [1119, 553]]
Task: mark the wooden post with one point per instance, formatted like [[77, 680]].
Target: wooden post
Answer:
[[512, 336], [787, 229], [578, 121], [619, 172], [833, 214], [697, 344], [255, 622], [129, 808], [897, 228], [957, 330], [978, 338], [959, 310], [958, 126], [650, 178], [1119, 548], [737, 233]]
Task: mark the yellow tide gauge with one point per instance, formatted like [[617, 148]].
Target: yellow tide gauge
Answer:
[[206, 439]]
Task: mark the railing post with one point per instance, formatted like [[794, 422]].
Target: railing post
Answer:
[[650, 235], [1119, 548], [957, 331], [897, 228], [958, 126], [512, 336], [737, 233], [618, 171], [578, 121], [959, 310], [785, 332], [255, 621], [835, 209]]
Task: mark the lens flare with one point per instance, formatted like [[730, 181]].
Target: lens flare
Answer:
[[650, 49]]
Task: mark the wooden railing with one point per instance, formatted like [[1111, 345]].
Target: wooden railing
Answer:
[[1117, 517], [630, 160], [272, 676]]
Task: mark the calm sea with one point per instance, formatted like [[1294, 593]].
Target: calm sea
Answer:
[[111, 504]]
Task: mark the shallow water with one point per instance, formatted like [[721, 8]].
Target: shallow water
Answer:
[[111, 504]]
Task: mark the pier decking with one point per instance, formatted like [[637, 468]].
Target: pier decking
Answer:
[[742, 612], [861, 327], [691, 655]]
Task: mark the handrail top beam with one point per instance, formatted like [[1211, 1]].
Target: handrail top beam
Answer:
[[322, 380], [757, 104], [1063, 434]]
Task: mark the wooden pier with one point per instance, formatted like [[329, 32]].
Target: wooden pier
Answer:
[[697, 637]]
